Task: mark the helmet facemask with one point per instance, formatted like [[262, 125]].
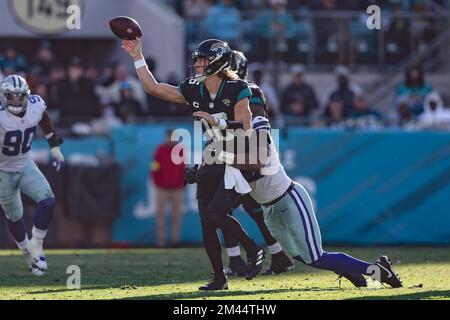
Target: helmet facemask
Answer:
[[16, 103], [14, 94]]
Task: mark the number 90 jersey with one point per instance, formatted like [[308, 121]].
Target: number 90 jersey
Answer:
[[230, 92], [16, 134]]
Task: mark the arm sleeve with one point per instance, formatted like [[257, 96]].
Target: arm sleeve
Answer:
[[183, 89], [245, 93]]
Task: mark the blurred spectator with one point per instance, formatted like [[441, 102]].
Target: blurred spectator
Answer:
[[92, 73], [363, 116], [361, 108], [57, 75], [128, 108], [195, 9], [34, 77], [106, 122], [327, 31], [335, 114], [415, 88], [275, 30], [404, 114], [272, 100], [175, 109], [41, 90], [44, 59], [77, 98], [344, 88], [168, 178], [397, 35], [435, 116], [107, 76], [121, 75], [156, 106], [12, 61], [224, 22], [299, 97]]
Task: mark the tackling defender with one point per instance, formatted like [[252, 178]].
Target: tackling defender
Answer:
[[290, 217], [20, 114]]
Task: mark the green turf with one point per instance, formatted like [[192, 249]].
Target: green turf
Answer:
[[177, 273]]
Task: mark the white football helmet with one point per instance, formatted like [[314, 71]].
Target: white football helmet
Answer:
[[14, 94]]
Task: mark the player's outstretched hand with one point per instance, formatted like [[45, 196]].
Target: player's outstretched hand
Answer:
[[212, 121], [57, 158], [133, 48]]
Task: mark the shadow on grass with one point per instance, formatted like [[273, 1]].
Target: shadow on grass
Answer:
[[409, 296], [224, 293], [49, 291]]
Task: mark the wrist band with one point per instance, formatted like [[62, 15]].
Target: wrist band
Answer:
[[140, 64]]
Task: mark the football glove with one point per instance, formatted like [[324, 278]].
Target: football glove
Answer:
[[190, 175], [57, 158]]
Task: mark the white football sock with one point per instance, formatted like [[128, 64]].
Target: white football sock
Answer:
[[234, 252], [275, 248], [23, 245], [38, 234]]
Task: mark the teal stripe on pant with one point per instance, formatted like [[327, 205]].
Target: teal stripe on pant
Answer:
[[293, 223]]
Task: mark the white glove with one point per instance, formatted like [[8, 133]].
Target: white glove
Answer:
[[57, 158]]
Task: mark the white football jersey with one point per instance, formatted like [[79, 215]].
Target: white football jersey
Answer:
[[16, 134], [273, 181]]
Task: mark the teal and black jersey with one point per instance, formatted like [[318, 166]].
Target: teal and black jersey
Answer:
[[257, 97], [230, 93]]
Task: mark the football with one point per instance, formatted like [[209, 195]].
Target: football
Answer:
[[125, 28]]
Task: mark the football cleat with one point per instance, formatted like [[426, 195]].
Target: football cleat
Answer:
[[237, 267], [31, 261], [254, 262], [218, 282], [357, 279], [35, 247], [280, 263], [387, 274]]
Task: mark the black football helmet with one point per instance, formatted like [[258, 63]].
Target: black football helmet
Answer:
[[218, 54], [239, 64]]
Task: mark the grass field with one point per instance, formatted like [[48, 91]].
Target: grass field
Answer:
[[177, 273]]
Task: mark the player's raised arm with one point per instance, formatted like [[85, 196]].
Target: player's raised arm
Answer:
[[161, 90]]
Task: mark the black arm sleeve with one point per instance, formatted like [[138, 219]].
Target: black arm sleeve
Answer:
[[234, 125]]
